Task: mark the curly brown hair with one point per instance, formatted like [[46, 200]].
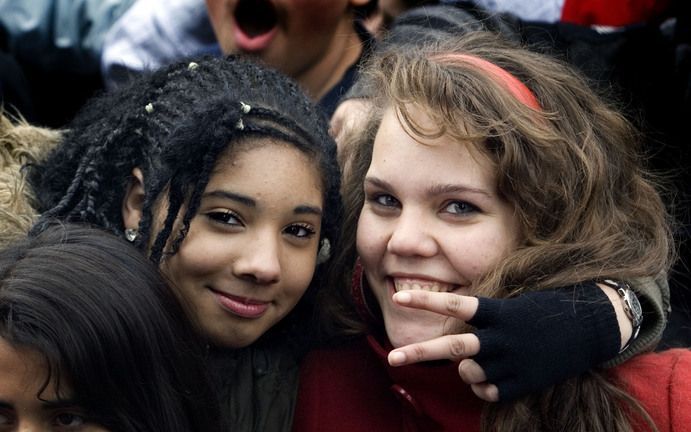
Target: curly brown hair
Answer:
[[573, 171]]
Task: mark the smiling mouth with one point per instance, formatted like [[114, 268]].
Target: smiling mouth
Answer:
[[406, 284], [255, 17], [241, 306]]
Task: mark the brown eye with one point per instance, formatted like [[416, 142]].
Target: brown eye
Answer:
[[6, 417], [226, 217], [300, 231], [69, 420]]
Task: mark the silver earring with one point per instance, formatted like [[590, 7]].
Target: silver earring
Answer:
[[131, 234], [324, 251]]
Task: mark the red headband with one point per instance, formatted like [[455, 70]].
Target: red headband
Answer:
[[513, 84]]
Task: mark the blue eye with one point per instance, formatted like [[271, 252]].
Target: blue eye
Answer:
[[300, 231], [459, 208], [386, 200], [226, 217]]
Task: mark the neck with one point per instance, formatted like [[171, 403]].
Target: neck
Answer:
[[344, 51]]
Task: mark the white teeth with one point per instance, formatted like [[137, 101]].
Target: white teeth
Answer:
[[432, 286]]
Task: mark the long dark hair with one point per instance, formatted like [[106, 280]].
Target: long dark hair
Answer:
[[108, 325]]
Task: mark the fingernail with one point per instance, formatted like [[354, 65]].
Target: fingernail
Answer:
[[403, 297], [396, 358]]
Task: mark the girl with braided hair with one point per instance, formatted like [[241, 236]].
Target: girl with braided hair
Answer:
[[487, 181], [223, 172]]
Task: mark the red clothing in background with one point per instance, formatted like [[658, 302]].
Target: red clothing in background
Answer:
[[615, 13]]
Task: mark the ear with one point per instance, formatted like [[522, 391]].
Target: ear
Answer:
[[133, 202]]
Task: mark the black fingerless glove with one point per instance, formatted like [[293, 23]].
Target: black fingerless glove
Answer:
[[540, 338]]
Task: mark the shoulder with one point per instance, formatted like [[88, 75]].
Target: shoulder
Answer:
[[661, 382], [673, 363]]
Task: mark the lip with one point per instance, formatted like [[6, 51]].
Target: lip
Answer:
[[241, 306], [252, 44]]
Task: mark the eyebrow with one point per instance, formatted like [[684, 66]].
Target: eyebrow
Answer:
[[242, 199], [438, 189], [250, 202], [46, 404], [58, 404]]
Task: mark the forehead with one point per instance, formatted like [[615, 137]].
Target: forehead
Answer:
[[399, 151], [269, 167], [23, 373]]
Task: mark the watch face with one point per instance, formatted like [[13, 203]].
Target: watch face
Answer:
[[635, 306]]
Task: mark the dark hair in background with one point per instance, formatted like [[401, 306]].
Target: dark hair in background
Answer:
[[106, 323], [174, 124]]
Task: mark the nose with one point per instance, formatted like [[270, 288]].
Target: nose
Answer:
[[411, 236], [30, 426], [259, 260]]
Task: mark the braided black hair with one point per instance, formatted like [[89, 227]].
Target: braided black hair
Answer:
[[174, 124]]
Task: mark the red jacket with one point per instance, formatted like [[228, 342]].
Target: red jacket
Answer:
[[352, 388]]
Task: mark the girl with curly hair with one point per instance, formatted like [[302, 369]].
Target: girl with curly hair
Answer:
[[489, 183]]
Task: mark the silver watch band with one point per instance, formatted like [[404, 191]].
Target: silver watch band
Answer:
[[632, 307]]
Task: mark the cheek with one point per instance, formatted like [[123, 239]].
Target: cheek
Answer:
[[217, 11], [371, 237], [313, 16], [221, 22], [476, 254], [299, 271], [182, 268], [199, 254]]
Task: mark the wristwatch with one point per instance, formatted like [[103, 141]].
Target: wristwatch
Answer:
[[632, 307]]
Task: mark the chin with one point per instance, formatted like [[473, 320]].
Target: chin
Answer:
[[234, 341], [406, 333]]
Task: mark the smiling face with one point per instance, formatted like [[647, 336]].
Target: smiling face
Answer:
[[432, 220], [25, 405], [250, 252], [309, 40]]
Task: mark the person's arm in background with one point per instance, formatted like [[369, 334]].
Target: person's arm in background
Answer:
[[59, 35], [155, 33]]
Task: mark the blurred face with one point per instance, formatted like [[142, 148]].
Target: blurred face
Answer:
[[25, 405], [294, 36], [432, 220], [250, 252]]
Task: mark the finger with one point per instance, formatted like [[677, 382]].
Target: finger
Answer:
[[485, 391], [453, 305], [336, 123], [451, 347], [471, 372]]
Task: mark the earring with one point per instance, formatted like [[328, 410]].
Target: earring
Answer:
[[324, 251], [131, 234]]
